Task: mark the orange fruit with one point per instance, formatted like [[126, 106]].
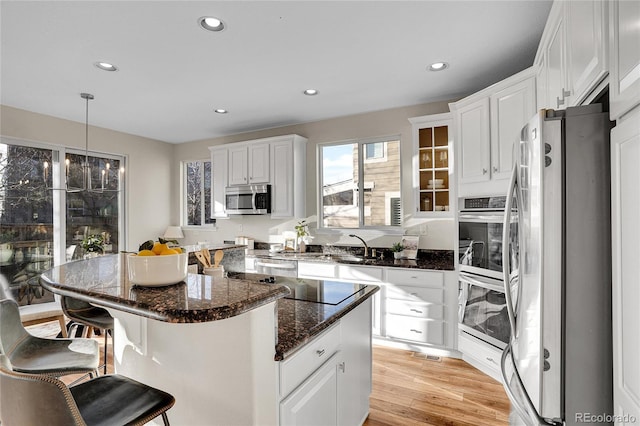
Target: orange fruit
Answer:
[[168, 251], [146, 253], [158, 247]]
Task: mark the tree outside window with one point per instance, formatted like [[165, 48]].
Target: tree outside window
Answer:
[[197, 191]]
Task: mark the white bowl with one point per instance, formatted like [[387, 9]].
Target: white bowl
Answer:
[[155, 271], [436, 182]]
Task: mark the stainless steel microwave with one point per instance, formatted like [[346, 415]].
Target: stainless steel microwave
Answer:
[[248, 199]]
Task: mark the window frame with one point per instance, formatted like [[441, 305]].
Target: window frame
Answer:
[[59, 197], [360, 142], [183, 196]]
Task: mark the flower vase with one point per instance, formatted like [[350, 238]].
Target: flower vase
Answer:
[[302, 246], [397, 255]]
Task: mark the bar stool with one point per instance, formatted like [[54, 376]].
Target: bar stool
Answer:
[[37, 355], [28, 399], [85, 314]]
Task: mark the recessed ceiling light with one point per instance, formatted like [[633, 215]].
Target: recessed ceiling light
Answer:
[[220, 111], [438, 66], [106, 66], [211, 23], [310, 92]]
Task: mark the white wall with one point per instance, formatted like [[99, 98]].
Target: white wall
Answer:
[[148, 168], [440, 232]]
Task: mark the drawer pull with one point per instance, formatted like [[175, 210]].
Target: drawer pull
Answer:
[[490, 359], [320, 352], [413, 277], [413, 294], [416, 311], [416, 331]]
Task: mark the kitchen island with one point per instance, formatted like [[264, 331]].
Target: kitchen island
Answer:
[[233, 351]]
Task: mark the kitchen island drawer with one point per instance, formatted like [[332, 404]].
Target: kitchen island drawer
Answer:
[[415, 277], [416, 329], [295, 369], [415, 294], [415, 309]]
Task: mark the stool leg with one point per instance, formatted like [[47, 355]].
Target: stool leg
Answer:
[[165, 419], [105, 350], [63, 326]]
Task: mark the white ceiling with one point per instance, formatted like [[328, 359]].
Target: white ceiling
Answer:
[[361, 55]]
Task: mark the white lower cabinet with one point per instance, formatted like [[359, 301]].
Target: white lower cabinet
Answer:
[[416, 329], [625, 208], [328, 382], [413, 306], [314, 402]]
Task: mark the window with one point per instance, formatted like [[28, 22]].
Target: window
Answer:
[[40, 226], [197, 193], [360, 183], [375, 151], [94, 213]]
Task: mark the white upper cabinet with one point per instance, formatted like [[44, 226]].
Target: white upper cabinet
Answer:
[[487, 124], [288, 177], [624, 82], [279, 161], [474, 142], [219, 177], [587, 47], [249, 164], [572, 55], [511, 108], [432, 171]]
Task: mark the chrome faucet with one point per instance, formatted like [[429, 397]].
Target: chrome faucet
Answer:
[[366, 247]]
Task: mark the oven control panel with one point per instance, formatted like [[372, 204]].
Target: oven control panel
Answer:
[[482, 203]]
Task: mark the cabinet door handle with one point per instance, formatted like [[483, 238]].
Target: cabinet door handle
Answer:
[[495, 169], [320, 352], [484, 171], [416, 311], [416, 331], [342, 367]]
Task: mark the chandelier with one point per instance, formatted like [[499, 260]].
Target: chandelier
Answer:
[[87, 184]]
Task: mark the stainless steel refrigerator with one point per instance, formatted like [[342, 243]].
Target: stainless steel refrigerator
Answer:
[[557, 367]]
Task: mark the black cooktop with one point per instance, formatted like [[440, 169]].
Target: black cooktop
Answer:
[[318, 291]]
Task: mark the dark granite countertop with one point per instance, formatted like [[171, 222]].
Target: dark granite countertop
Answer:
[[200, 298], [300, 321], [440, 260]]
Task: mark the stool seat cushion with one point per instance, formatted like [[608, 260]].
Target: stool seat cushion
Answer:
[[119, 400], [58, 356]]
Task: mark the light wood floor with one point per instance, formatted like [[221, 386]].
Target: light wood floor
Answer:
[[409, 389]]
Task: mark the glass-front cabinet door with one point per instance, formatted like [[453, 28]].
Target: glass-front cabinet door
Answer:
[[432, 171]]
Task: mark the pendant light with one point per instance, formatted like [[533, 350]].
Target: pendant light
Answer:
[[87, 182]]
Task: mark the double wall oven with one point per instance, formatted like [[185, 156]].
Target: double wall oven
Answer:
[[482, 309]]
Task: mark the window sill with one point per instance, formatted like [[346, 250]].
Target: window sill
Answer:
[[374, 232]]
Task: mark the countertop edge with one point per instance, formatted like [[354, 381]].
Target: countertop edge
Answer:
[[171, 316]]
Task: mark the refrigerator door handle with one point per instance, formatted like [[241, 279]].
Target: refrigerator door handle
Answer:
[[506, 238], [529, 412]]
